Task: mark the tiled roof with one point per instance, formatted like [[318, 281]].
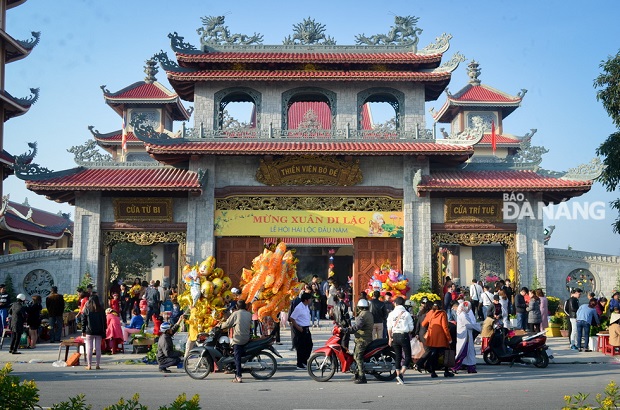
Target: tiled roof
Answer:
[[311, 241], [120, 179], [116, 136], [14, 223], [370, 148], [499, 139], [497, 181], [483, 93], [6, 158], [41, 223], [143, 91], [284, 57], [302, 75]]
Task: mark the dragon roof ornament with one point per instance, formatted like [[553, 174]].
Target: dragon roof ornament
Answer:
[[215, 32], [469, 136], [582, 172], [27, 101], [30, 44], [448, 66], [440, 46], [146, 133], [167, 64], [309, 32], [403, 33], [88, 152], [24, 168], [178, 45]]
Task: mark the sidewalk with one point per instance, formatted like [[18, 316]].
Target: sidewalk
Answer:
[[48, 352]]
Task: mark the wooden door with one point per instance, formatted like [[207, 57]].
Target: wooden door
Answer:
[[368, 256], [235, 253]]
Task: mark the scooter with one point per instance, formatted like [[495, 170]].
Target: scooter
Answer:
[[216, 352], [379, 359], [517, 349]]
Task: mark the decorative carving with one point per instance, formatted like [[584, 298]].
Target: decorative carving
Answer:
[[152, 117], [473, 71], [440, 46], [309, 32], [449, 66], [236, 94], [403, 33], [581, 278], [320, 203], [527, 154], [417, 178], [178, 45], [23, 166], [144, 238], [150, 69], [28, 101], [203, 177], [88, 152], [469, 136], [167, 64], [485, 117], [6, 207], [506, 239], [38, 282], [215, 32], [586, 172], [488, 260], [309, 170], [30, 44], [145, 132]]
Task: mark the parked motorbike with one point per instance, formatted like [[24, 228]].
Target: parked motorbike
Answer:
[[216, 352], [379, 359], [517, 349]]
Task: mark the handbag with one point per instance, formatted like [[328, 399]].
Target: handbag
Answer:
[[449, 358], [74, 359], [417, 350]]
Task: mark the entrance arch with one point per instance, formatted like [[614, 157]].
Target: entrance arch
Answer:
[[145, 238]]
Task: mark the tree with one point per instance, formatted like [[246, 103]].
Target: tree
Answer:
[[129, 260], [608, 85]]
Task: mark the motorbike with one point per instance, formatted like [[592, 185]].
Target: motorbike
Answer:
[[379, 359], [530, 349], [215, 352]]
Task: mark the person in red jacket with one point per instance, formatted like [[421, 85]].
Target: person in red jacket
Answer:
[[438, 338]]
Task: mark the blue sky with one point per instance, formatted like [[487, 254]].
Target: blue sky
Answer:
[[551, 48]]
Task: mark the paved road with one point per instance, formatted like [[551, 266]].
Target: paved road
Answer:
[[520, 387]]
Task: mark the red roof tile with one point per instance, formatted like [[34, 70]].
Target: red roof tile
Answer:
[[116, 136], [481, 93], [499, 139], [14, 223], [292, 57], [288, 75], [373, 148], [121, 179], [143, 91], [497, 181]]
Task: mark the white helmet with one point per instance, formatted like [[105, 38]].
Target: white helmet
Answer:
[[21, 297], [363, 303]]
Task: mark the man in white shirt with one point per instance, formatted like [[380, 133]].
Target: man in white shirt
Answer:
[[400, 324], [487, 300], [475, 294], [300, 320]]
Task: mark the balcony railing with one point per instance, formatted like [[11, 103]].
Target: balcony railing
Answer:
[[200, 132]]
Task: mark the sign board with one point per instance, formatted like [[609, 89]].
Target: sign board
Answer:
[[309, 224], [143, 209], [473, 210]]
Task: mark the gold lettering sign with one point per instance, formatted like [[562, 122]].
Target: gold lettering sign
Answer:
[[309, 170], [143, 209], [473, 210]]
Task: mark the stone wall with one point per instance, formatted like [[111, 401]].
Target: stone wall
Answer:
[[58, 262], [560, 262]]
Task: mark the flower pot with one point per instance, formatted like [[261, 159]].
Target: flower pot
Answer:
[[564, 332], [554, 330], [593, 344], [513, 323]]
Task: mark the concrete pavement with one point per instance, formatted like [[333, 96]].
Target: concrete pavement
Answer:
[[47, 353]]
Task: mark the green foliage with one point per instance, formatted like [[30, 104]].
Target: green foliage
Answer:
[[128, 260], [608, 85], [181, 403], [131, 404], [611, 399], [425, 283], [152, 354], [74, 403], [8, 281], [86, 280], [535, 282], [553, 303], [16, 394]]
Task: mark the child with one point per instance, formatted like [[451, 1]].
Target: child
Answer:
[[115, 303]]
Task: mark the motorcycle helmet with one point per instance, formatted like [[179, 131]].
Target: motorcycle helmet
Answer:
[[164, 326], [21, 297], [363, 304]]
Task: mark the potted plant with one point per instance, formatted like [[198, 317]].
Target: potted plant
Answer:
[[558, 325], [513, 321]]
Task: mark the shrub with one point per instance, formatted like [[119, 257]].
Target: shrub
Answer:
[[71, 302], [553, 303], [17, 394], [611, 400]]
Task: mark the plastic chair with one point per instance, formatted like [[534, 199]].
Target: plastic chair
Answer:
[[611, 350]]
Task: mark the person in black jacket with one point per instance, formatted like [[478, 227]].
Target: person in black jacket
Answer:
[[166, 355], [571, 307], [342, 318], [17, 313], [379, 314], [93, 329], [521, 309]]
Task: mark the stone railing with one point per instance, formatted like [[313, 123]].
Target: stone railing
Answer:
[[29, 256], [585, 256], [304, 134]]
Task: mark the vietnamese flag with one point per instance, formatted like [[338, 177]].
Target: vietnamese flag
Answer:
[[124, 132], [493, 137]]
